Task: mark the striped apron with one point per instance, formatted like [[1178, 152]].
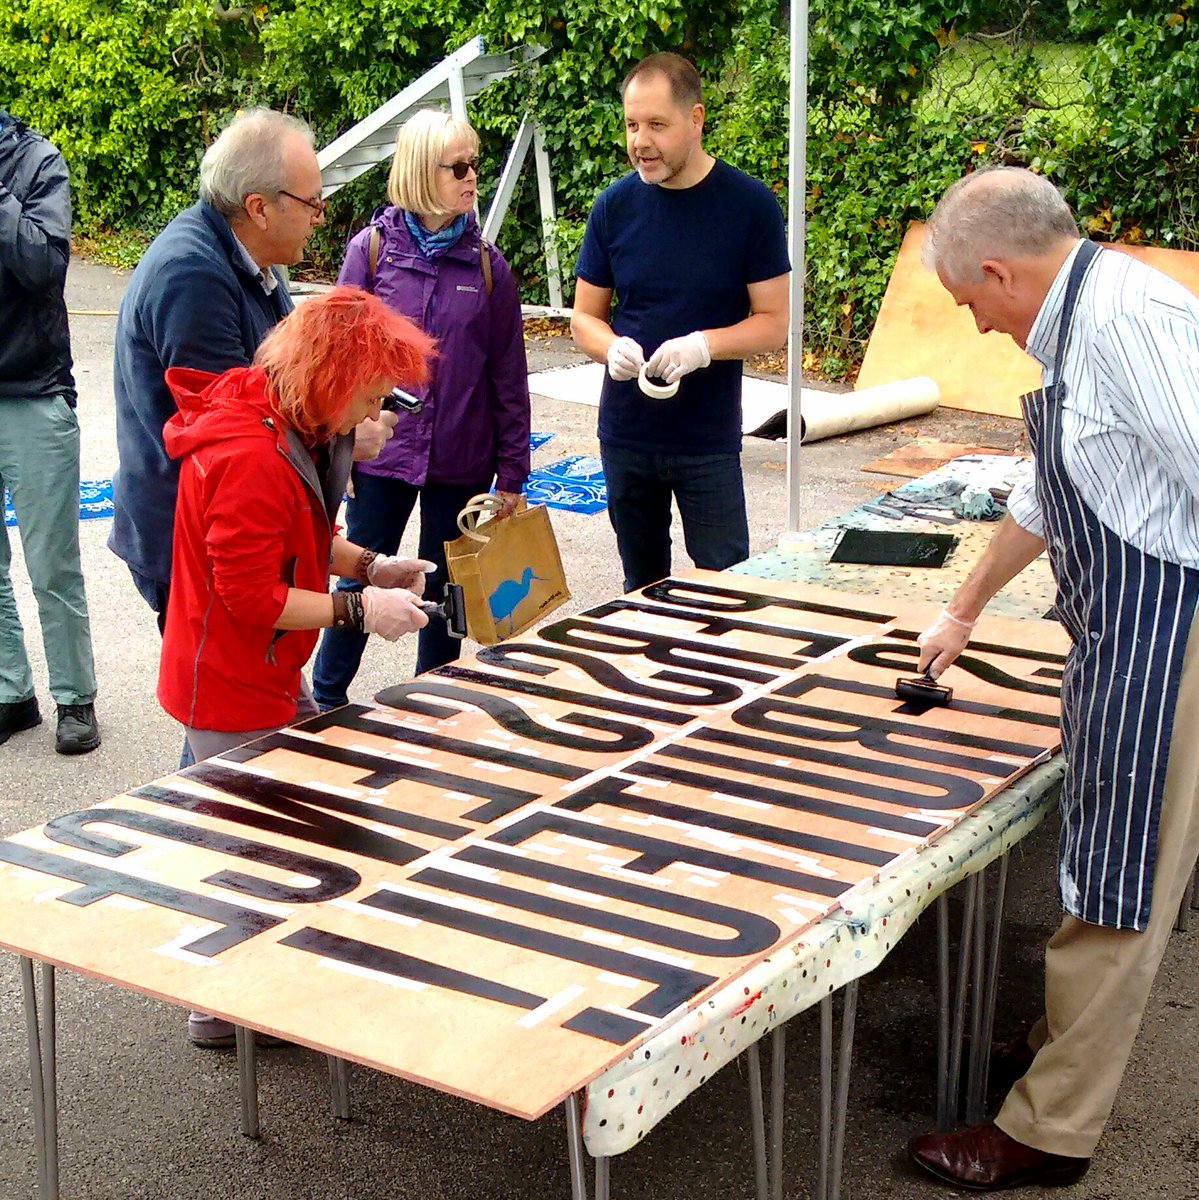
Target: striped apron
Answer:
[[1128, 615]]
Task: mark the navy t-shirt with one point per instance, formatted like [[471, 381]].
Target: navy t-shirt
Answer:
[[680, 260]]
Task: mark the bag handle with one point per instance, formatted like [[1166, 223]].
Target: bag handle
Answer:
[[476, 507]]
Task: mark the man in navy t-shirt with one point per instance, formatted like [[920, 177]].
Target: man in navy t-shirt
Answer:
[[695, 254]]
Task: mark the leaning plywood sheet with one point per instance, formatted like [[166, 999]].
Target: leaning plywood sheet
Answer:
[[515, 869], [919, 331]]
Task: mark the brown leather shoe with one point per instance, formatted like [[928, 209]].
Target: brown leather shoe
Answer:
[[984, 1159]]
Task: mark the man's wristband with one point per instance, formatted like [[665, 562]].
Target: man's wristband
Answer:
[[362, 566], [347, 610]]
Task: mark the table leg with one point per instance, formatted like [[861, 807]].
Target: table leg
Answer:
[[757, 1121], [778, 1064], [826, 1098], [944, 1121], [42, 1046], [992, 990], [844, 1065], [978, 959], [953, 1076], [575, 1150], [603, 1183], [247, 1080], [339, 1087]]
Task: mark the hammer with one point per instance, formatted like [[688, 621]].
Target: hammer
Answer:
[[452, 610]]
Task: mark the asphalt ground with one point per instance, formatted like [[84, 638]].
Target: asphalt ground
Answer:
[[145, 1116]]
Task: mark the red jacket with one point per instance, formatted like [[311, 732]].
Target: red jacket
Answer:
[[252, 520]]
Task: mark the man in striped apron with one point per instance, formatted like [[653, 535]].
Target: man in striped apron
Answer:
[[1114, 500]]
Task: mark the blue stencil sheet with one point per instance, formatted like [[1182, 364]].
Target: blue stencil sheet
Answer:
[[95, 501], [575, 483], [537, 440]]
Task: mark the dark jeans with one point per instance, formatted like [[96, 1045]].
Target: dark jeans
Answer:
[[710, 493], [375, 518]]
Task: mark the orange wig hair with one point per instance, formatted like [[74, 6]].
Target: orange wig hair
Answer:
[[331, 347]]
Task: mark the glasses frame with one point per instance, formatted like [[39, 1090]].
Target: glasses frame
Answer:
[[463, 167], [318, 206]]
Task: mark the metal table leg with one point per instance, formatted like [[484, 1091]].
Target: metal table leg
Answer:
[[574, 1147], [757, 1120], [844, 1064], [778, 1063], [978, 957], [42, 1046], [991, 994], [944, 1120], [826, 1098], [339, 1087], [953, 1075], [603, 1170], [247, 1080]]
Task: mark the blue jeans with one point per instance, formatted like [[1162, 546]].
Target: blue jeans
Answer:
[[39, 464], [710, 493], [375, 518]]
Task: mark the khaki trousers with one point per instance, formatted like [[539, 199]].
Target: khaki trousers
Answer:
[[1097, 980]]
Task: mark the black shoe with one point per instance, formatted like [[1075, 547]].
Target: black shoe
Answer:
[[18, 715], [78, 731]]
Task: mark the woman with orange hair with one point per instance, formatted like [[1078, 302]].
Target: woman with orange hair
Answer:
[[266, 453]]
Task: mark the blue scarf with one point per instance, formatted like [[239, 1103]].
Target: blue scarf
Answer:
[[433, 245]]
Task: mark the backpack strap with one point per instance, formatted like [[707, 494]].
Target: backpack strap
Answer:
[[372, 257], [485, 263]]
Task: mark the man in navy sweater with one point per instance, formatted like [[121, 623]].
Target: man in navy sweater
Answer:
[[204, 295], [694, 254], [39, 442]]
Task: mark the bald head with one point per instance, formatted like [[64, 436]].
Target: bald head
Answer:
[[999, 213]]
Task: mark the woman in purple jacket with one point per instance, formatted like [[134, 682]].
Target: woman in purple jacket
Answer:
[[427, 262]]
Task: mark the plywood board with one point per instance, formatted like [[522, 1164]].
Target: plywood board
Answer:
[[501, 879], [919, 331], [918, 458]]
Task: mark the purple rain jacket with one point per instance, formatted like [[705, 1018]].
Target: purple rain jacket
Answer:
[[475, 422]]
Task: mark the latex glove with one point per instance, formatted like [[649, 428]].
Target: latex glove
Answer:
[[624, 359], [373, 433], [942, 642], [391, 612], [388, 571], [510, 500], [679, 356]]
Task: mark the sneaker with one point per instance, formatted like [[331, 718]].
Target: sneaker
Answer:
[[78, 730], [18, 715], [215, 1033]]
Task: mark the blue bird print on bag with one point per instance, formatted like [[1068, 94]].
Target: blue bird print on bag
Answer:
[[509, 595]]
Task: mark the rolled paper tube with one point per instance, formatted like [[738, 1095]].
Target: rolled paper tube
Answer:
[[656, 391]]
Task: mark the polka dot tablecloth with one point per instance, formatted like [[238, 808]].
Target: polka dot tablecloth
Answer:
[[624, 1103]]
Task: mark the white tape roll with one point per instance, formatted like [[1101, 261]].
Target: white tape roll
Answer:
[[656, 391]]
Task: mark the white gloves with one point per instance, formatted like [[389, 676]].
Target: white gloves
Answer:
[[391, 612], [388, 571], [942, 642], [678, 357], [625, 359]]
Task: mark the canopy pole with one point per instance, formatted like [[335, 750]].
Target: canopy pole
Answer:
[[797, 173]]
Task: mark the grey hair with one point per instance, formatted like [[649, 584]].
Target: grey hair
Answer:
[[995, 213], [249, 156]]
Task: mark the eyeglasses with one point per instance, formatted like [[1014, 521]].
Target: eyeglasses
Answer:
[[461, 169], [318, 205]]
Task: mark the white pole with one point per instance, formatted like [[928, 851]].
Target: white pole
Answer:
[[797, 172]]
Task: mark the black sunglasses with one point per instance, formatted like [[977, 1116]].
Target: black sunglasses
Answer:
[[461, 169]]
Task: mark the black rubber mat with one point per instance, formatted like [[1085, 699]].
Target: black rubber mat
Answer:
[[893, 548]]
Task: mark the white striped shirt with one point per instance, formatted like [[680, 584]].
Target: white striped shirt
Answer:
[[1130, 419]]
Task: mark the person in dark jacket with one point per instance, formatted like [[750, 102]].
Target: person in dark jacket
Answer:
[[265, 453], [204, 296], [425, 257], [39, 442]]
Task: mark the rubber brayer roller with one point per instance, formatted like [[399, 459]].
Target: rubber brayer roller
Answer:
[[923, 689], [452, 610]]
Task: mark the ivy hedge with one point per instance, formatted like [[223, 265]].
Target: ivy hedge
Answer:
[[904, 95]]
